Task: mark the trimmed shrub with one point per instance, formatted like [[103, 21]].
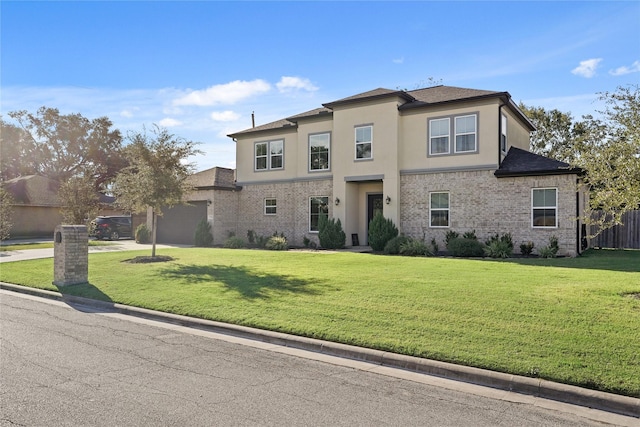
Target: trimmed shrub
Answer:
[[277, 243], [460, 247], [142, 235], [234, 242], [526, 248], [415, 247], [381, 230], [498, 249], [393, 246], [449, 236], [330, 233], [551, 250], [203, 236], [434, 245], [470, 235]]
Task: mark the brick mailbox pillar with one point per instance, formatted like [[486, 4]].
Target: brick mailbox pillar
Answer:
[[71, 255]]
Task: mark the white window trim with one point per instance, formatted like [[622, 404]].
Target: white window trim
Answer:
[[355, 146], [456, 134], [328, 154], [268, 155], [275, 206], [545, 207], [309, 217], [431, 153], [448, 209]]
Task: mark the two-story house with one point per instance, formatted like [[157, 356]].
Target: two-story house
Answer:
[[432, 160]]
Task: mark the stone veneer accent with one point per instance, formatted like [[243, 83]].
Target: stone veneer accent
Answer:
[[479, 201], [292, 210], [71, 255]]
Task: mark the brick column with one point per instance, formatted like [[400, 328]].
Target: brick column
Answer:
[[71, 255]]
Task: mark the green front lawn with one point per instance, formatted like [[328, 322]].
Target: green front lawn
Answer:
[[575, 321], [4, 246]]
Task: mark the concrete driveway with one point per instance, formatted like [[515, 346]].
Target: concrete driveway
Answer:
[[109, 246]]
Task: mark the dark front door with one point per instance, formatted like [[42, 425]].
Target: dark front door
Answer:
[[374, 205]]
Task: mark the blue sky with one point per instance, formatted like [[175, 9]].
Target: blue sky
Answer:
[[201, 68]]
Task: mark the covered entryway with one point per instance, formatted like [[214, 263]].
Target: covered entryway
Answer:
[[374, 206], [178, 224]]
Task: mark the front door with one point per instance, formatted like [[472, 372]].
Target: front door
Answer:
[[374, 205]]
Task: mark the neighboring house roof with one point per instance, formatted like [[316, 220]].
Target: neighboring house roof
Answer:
[[214, 179], [519, 162], [34, 190], [419, 98]]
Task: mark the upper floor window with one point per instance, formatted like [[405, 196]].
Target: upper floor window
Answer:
[[544, 207], [269, 155], [319, 151], [503, 134], [364, 142], [465, 133], [270, 206], [439, 136]]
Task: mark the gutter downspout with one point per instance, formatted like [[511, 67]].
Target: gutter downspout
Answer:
[[500, 134], [578, 225]]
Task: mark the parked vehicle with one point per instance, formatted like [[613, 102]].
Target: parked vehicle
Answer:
[[111, 227]]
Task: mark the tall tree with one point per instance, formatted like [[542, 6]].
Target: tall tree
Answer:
[[60, 146], [79, 199], [157, 173], [607, 148], [6, 209], [16, 152]]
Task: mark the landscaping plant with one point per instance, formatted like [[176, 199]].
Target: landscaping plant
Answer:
[[381, 230]]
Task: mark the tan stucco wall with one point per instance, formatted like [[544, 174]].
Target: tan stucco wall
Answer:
[[479, 201], [245, 156]]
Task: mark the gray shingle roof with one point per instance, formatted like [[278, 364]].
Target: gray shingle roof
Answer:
[[414, 99], [519, 162], [215, 178]]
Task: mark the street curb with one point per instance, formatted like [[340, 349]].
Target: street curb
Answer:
[[574, 395]]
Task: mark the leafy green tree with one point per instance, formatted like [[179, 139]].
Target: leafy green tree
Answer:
[[607, 148], [6, 202], [157, 174], [61, 146], [79, 200]]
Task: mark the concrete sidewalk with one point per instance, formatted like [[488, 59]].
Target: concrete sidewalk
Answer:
[[539, 388]]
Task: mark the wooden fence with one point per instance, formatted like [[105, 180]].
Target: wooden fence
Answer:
[[626, 236]]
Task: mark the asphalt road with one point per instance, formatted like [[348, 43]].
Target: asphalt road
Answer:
[[70, 366]]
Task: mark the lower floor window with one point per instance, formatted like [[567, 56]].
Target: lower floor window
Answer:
[[317, 206], [270, 206], [439, 209], [544, 207]]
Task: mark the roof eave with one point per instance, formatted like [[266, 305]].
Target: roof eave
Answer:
[[400, 93]]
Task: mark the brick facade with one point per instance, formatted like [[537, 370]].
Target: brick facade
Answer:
[[479, 201]]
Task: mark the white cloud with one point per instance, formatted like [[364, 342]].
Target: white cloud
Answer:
[[587, 68], [168, 122], [399, 60], [228, 93], [225, 116], [621, 71], [290, 84]]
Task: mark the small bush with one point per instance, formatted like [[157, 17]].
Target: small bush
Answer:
[[393, 246], [415, 247], [330, 233], [234, 242], [306, 242], [434, 245], [277, 243], [526, 248], [251, 237], [381, 230], [470, 235], [460, 247], [449, 236], [498, 249], [203, 236], [551, 250], [142, 235]]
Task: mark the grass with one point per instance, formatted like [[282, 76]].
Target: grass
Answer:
[[44, 245], [575, 321]]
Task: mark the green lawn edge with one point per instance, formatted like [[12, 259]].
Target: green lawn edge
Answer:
[[571, 320]]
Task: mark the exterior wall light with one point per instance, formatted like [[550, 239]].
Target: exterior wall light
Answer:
[[388, 199], [337, 201]]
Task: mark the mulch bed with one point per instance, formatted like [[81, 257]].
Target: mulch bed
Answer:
[[148, 259]]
